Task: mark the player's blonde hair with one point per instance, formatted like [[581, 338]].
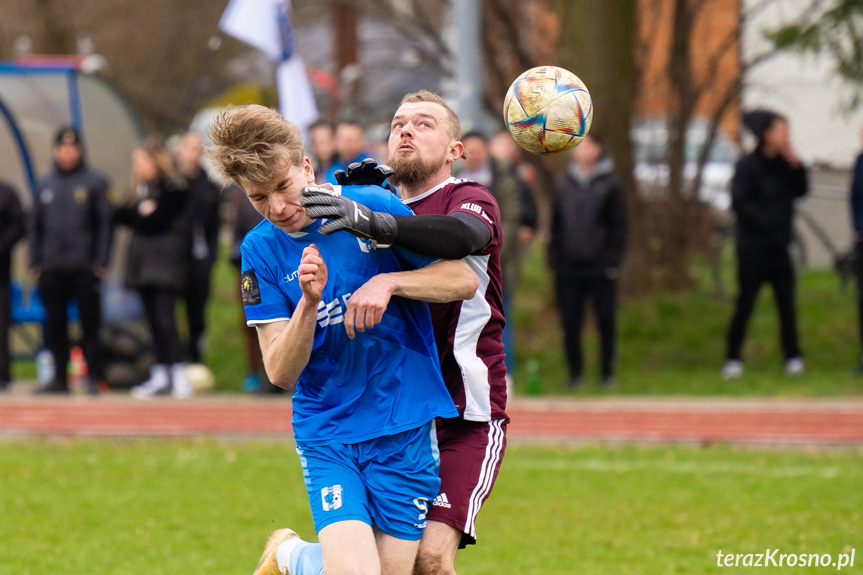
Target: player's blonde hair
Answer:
[[252, 142], [454, 126]]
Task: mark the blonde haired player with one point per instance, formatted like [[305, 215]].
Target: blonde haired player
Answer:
[[339, 316]]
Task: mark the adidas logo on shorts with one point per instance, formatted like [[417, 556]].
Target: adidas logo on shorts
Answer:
[[442, 501]]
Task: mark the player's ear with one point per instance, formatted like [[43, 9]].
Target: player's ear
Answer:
[[308, 170], [456, 151]]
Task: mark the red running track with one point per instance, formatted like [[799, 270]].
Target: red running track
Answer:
[[819, 422]]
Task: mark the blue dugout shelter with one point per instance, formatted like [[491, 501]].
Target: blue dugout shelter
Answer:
[[36, 98]]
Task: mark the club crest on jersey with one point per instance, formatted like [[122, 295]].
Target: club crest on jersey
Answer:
[[331, 497], [366, 246], [249, 288], [80, 195]]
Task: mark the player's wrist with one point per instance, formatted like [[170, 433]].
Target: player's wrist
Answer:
[[309, 300], [383, 228]]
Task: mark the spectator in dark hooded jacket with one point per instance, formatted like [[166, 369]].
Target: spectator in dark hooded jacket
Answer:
[[765, 186], [588, 239], [11, 230], [204, 198], [857, 216]]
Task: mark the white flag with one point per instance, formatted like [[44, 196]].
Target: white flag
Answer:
[[266, 25], [296, 98]]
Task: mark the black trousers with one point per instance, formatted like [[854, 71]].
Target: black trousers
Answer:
[[160, 309], [197, 294], [572, 292], [756, 266], [58, 287], [858, 268], [5, 325]]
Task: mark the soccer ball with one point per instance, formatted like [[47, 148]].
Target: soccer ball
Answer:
[[200, 377], [548, 110]]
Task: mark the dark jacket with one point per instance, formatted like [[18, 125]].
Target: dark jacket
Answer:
[[762, 196], [857, 195], [71, 228], [158, 253], [204, 216], [11, 228], [588, 222]]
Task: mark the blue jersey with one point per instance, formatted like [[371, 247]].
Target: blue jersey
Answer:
[[384, 381]]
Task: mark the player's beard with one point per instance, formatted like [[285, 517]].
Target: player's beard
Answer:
[[412, 171]]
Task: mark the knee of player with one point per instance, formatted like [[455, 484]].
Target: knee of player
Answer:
[[432, 562]]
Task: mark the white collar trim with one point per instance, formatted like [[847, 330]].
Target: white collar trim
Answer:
[[449, 180]]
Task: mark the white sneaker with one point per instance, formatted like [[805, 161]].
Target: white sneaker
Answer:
[[795, 366], [181, 388], [158, 384], [732, 369]]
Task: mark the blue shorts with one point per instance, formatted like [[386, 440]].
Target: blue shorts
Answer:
[[386, 482]]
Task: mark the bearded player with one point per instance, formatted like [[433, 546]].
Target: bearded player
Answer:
[[456, 219]]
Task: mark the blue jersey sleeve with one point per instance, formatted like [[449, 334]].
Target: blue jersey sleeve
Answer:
[[263, 301], [411, 259]]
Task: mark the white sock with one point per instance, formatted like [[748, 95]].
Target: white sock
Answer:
[[283, 553]]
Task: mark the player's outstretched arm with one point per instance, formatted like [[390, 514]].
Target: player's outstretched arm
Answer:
[[439, 282], [287, 345], [438, 236]]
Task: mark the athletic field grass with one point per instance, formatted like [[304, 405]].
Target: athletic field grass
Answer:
[[152, 507]]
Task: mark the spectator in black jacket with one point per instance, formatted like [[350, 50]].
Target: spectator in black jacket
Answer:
[[204, 196], [157, 261], [588, 239], [765, 186], [857, 214], [11, 230], [69, 245]]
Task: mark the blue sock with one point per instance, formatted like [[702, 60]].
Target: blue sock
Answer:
[[304, 559]]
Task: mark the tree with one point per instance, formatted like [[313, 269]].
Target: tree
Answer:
[[834, 27], [689, 67]]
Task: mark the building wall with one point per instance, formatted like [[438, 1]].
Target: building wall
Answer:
[[715, 58], [804, 88]]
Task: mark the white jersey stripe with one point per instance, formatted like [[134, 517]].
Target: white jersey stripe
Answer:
[[486, 477], [474, 316]]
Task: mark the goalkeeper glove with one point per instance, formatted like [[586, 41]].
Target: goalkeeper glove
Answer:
[[365, 173], [346, 214]]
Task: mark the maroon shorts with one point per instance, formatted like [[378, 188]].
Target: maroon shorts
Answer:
[[470, 457]]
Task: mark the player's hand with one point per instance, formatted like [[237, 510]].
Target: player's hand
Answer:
[[367, 305], [346, 214], [312, 274], [365, 173]]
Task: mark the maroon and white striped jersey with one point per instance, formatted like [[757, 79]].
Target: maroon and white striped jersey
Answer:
[[468, 333]]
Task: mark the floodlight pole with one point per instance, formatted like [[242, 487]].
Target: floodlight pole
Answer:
[[469, 77]]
